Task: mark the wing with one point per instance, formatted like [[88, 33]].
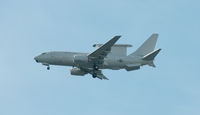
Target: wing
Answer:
[[101, 76], [98, 55]]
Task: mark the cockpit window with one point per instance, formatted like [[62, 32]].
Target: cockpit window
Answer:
[[43, 53]]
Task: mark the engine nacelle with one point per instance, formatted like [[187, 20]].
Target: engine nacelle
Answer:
[[77, 72], [80, 59]]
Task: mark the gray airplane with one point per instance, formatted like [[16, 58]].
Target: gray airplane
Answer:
[[106, 56]]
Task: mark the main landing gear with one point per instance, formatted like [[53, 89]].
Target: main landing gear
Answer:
[[48, 68], [95, 69], [94, 75]]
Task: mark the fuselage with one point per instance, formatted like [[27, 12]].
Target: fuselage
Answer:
[[106, 56], [68, 59]]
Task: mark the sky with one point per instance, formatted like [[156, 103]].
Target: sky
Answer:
[[30, 27]]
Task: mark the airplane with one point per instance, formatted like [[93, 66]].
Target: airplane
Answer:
[[106, 56]]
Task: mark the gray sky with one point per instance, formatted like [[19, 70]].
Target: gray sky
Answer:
[[28, 28]]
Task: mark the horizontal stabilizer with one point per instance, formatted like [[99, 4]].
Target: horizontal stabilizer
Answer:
[[151, 55]]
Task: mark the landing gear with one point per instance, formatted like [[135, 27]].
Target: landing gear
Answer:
[[94, 75], [95, 67], [48, 68]]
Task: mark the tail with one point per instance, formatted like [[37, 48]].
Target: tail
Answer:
[[147, 47], [150, 57]]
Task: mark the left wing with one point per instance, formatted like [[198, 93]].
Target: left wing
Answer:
[[101, 76], [99, 73], [98, 55]]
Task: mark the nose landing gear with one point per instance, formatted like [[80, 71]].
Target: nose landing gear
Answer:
[[46, 64]]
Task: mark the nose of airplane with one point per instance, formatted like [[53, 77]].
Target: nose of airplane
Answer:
[[36, 59]]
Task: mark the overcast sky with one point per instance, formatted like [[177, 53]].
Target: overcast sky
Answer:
[[30, 27]]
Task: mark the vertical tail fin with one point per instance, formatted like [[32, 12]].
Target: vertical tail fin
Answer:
[[147, 47]]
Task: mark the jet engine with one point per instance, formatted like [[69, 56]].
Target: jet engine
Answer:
[[80, 59], [77, 72]]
